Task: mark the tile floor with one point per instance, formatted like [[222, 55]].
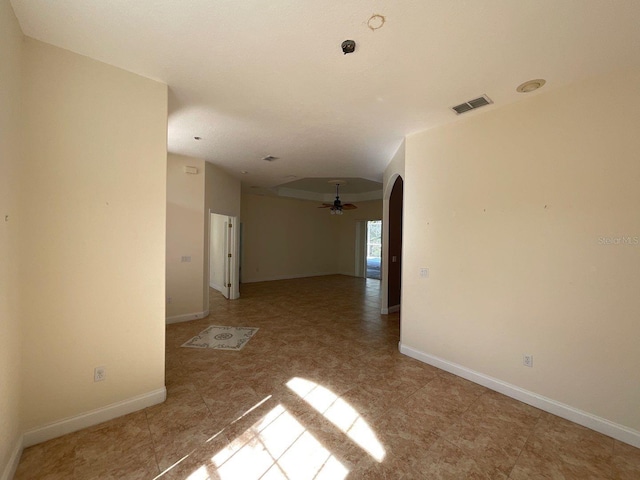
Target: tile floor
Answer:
[[321, 392]]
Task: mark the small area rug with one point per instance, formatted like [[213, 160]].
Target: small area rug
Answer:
[[222, 338]]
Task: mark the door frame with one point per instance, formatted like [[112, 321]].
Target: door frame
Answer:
[[230, 259]]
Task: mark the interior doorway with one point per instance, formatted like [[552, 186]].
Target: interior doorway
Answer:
[[394, 279], [373, 249], [223, 255]]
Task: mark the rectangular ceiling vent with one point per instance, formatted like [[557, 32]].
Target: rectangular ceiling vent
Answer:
[[472, 104]]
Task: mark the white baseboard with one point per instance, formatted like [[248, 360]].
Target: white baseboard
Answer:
[[187, 317], [392, 309], [287, 277], [217, 287], [599, 424], [11, 467], [94, 417]]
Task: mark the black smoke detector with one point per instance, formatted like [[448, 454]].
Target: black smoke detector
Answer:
[[348, 46]]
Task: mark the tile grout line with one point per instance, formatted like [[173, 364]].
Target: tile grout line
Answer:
[[153, 443], [524, 445], [613, 457]]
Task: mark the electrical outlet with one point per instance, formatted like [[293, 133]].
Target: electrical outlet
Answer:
[[99, 374], [527, 360], [424, 272]]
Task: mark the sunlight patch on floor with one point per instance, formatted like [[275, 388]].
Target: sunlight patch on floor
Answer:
[[201, 474], [276, 447], [340, 413]]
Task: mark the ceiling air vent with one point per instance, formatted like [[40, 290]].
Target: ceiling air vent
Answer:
[[270, 158], [472, 104]]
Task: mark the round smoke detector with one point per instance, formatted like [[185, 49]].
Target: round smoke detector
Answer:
[[531, 85]]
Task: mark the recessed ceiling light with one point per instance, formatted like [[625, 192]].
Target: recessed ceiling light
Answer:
[[197, 138], [531, 85], [244, 172]]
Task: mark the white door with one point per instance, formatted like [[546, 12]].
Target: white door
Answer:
[[223, 263]]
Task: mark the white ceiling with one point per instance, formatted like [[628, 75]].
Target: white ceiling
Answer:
[[256, 78]]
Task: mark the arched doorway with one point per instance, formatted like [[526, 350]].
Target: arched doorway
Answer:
[[394, 278]]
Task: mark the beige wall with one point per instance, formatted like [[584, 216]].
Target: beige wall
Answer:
[[93, 243], [287, 238], [222, 192], [185, 236], [511, 210], [190, 198], [10, 159]]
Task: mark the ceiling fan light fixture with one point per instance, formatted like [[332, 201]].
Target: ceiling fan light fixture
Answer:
[[337, 207]]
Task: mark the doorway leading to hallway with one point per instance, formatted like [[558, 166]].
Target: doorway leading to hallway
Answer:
[[373, 249], [223, 255], [394, 248]]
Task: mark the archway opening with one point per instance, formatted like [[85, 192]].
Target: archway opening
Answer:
[[394, 279]]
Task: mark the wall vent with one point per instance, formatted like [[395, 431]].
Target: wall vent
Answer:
[[472, 104]]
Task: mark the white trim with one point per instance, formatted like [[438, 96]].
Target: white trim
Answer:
[[234, 261], [288, 277], [187, 317], [14, 460], [599, 424], [94, 417]]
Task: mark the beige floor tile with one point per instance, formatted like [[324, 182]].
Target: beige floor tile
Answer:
[[626, 462], [561, 449], [50, 460], [444, 461], [115, 448]]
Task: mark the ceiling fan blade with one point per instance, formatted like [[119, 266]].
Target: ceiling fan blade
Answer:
[[349, 206], [326, 205]]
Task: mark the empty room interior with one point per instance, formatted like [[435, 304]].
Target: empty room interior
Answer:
[[295, 240]]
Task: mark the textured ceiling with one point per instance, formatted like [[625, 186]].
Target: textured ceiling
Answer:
[[256, 78]]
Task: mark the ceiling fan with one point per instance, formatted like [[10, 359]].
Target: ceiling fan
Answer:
[[337, 206]]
